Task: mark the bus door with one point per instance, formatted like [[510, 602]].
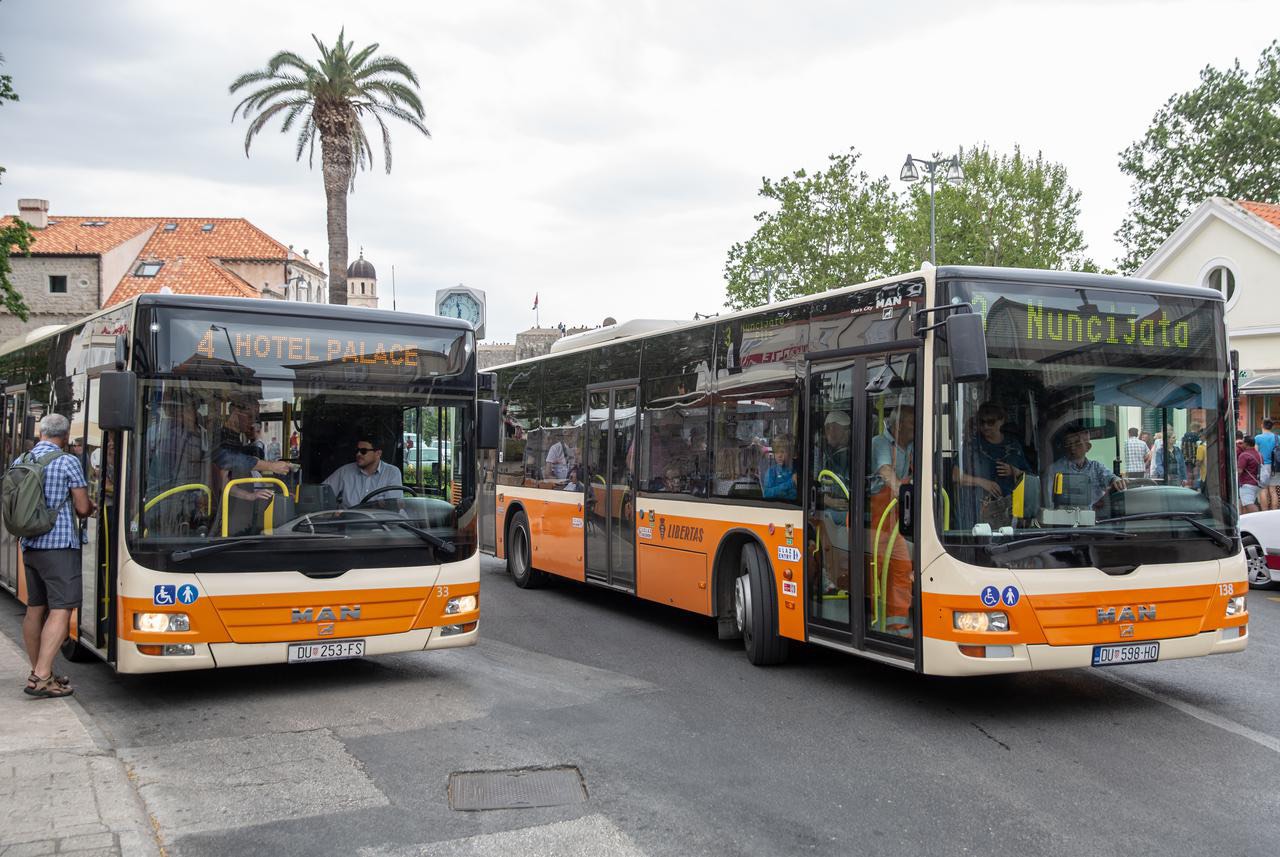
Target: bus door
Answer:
[[15, 427], [609, 508], [101, 462], [860, 586]]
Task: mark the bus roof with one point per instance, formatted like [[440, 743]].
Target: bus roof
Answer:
[[1034, 276], [297, 308]]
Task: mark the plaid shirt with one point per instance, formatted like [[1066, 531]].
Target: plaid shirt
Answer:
[[62, 474]]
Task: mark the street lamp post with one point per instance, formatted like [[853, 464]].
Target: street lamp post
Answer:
[[952, 173]]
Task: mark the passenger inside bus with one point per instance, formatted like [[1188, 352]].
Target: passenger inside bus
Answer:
[[1075, 463], [991, 463], [235, 456], [779, 482], [357, 479]]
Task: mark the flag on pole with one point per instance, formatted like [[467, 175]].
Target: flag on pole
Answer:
[[535, 300]]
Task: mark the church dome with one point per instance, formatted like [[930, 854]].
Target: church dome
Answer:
[[362, 269]]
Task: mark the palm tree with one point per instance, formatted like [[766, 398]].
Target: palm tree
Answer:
[[331, 98]]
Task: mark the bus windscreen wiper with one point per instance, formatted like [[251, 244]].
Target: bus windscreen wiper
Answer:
[[445, 547], [1220, 538], [220, 546], [1066, 535]]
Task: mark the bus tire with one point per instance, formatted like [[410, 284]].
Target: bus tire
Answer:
[[74, 652], [520, 554], [756, 608]]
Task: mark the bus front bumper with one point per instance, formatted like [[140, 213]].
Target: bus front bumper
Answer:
[[943, 657], [211, 655]]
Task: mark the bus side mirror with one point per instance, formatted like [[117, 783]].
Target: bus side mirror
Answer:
[[967, 344], [489, 424], [117, 400]]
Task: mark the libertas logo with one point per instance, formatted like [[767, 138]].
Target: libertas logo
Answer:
[[680, 532]]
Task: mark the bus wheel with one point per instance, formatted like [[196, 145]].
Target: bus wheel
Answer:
[[519, 554], [76, 653], [755, 608]]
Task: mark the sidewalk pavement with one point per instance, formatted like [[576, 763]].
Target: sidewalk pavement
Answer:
[[62, 789]]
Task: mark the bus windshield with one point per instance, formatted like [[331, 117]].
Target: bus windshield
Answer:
[[1099, 439], [255, 461]]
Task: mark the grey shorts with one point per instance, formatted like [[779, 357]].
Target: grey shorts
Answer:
[[53, 578]]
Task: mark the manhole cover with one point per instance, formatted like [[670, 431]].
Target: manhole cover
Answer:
[[516, 789]]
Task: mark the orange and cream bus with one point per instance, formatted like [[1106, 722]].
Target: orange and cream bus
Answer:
[[222, 440], [932, 470]]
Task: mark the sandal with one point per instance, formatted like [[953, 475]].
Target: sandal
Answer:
[[64, 680], [49, 688]]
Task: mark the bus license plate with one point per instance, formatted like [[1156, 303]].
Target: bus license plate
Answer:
[[1126, 653], [337, 650]]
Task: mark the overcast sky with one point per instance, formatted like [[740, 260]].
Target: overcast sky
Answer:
[[603, 155]]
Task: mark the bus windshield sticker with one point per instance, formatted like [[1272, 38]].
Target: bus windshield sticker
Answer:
[[165, 595], [990, 596], [188, 594], [1009, 595]]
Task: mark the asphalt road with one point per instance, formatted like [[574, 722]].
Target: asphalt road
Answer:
[[686, 749]]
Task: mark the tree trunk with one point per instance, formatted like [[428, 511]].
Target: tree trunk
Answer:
[[335, 163]]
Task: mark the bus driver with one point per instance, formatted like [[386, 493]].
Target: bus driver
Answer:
[[354, 481]]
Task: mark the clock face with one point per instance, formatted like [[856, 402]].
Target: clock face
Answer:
[[463, 306]]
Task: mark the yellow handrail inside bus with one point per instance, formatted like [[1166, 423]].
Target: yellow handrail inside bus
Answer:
[[266, 516], [946, 508], [876, 617], [817, 539], [190, 486]]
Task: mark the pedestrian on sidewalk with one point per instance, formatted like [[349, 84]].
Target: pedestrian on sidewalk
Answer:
[[52, 559]]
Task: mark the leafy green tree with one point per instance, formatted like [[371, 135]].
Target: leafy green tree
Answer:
[[1009, 211], [15, 236], [330, 99], [829, 229], [1218, 139]]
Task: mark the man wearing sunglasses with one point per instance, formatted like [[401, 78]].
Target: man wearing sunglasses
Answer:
[[357, 480]]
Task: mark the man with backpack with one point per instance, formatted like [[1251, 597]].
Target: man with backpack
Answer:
[[40, 490]]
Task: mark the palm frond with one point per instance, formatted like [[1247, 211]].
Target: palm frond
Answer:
[[387, 65]]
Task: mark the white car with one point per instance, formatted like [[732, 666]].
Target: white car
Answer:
[[1260, 532]]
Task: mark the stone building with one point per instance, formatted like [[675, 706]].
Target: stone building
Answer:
[[80, 264], [362, 283], [533, 342]]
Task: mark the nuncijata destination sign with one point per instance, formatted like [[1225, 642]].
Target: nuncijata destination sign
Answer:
[[1032, 326]]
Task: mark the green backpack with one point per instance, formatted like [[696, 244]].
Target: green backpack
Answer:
[[25, 511]]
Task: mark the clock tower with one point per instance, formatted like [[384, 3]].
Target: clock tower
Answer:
[[465, 303]]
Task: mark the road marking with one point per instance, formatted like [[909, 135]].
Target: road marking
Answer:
[[1260, 738], [1273, 597]]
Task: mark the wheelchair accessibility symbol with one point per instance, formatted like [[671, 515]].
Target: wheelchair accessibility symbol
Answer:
[[991, 596], [165, 595]]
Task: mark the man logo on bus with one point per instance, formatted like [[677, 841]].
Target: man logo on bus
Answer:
[[1107, 615], [326, 614]]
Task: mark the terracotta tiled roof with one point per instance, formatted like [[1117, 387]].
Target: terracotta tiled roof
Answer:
[[189, 254], [184, 275], [189, 251], [69, 235], [1265, 210]]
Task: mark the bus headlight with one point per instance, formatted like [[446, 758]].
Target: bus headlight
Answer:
[[1235, 605], [158, 623], [981, 621], [461, 604]]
